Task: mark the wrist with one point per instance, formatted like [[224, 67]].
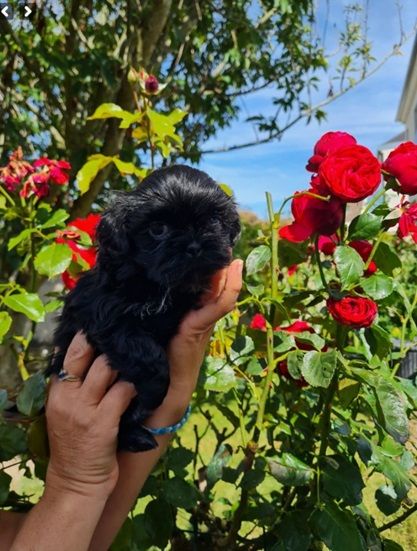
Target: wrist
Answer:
[[170, 411], [72, 487]]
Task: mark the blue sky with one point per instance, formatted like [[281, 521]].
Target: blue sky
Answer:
[[368, 112]]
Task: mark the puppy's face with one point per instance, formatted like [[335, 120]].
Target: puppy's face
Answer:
[[180, 230]]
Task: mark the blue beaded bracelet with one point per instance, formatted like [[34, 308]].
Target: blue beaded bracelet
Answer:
[[171, 428]]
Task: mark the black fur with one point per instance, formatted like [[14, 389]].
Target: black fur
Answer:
[[158, 246]]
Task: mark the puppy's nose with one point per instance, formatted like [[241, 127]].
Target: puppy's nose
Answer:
[[193, 249]]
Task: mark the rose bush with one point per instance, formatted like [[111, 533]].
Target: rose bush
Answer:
[[299, 407]]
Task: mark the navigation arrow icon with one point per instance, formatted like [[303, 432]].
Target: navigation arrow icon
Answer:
[[28, 11], [4, 11]]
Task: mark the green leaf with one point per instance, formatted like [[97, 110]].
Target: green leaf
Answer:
[[219, 376], [124, 167], [158, 522], [290, 471], [342, 479], [53, 259], [12, 441], [364, 226], [241, 348], [217, 464], [251, 479], [311, 338], [378, 286], [255, 290], [291, 253], [227, 189], [393, 407], [318, 368], [294, 363], [379, 341], [108, 110], [337, 528], [5, 481], [347, 391], [124, 537], [14, 241], [295, 531], [57, 219], [386, 259], [178, 459], [180, 493], [392, 469], [26, 303], [32, 396], [53, 305], [257, 259], [89, 171], [349, 265], [5, 323], [387, 500]]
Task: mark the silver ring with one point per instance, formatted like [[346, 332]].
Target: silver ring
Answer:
[[63, 375]]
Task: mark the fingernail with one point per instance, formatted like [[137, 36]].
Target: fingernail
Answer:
[[239, 268]]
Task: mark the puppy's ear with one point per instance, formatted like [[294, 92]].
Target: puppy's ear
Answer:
[[112, 232]]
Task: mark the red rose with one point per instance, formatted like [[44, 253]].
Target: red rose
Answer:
[[402, 164], [151, 84], [327, 144], [408, 222], [258, 322], [297, 327], [355, 312], [292, 269], [351, 173], [364, 248], [327, 245], [312, 216], [70, 236]]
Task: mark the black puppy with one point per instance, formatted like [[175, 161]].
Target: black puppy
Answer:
[[158, 247]]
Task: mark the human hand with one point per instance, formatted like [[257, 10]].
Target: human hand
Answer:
[[187, 348], [83, 422]]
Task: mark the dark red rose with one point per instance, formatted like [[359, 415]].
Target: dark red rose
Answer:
[[351, 173], [327, 144], [151, 84], [355, 312], [402, 164], [312, 216], [292, 269], [258, 322], [408, 222], [327, 245], [364, 248]]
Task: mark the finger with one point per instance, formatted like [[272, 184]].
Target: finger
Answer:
[[78, 357], [98, 379], [217, 284], [202, 320], [117, 399]]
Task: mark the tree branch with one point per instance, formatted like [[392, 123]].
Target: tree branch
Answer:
[[399, 519], [311, 110]]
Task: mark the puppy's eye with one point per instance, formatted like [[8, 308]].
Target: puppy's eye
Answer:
[[157, 230]]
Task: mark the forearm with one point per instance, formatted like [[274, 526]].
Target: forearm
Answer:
[[61, 520], [134, 469], [10, 524]]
